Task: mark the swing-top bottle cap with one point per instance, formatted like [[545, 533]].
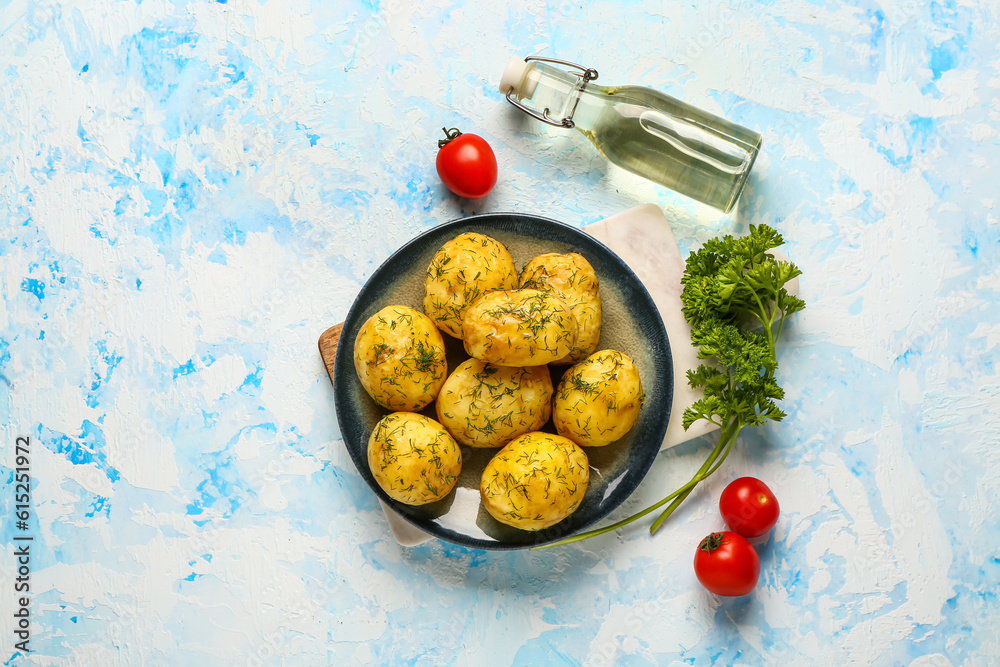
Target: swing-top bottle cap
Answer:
[[519, 78]]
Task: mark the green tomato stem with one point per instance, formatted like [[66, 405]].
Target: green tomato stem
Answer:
[[453, 133]]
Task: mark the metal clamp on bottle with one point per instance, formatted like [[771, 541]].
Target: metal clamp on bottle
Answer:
[[587, 74]]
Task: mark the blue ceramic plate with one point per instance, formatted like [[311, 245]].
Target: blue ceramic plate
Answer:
[[630, 324]]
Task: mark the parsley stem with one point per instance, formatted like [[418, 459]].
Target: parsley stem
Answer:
[[764, 324], [624, 522], [670, 510], [725, 444], [712, 463], [781, 323], [762, 316]]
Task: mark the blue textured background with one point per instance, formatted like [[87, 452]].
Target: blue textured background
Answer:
[[193, 191]]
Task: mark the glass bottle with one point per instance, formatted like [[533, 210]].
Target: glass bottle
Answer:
[[640, 129]]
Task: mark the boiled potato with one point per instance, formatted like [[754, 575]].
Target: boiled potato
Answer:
[[400, 360], [413, 458], [598, 399], [571, 278], [525, 327], [464, 268], [483, 405], [536, 481]]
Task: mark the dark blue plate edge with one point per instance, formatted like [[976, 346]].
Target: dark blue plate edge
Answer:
[[345, 355]]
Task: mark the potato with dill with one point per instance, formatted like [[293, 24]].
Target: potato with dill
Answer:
[[523, 327], [465, 267], [571, 278], [598, 400], [400, 359], [483, 405], [413, 458], [536, 481]]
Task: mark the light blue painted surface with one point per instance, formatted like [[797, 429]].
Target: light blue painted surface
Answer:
[[192, 192]]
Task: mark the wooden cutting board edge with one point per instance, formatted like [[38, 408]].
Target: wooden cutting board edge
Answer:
[[328, 342]]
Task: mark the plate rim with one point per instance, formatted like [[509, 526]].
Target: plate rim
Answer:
[[345, 353]]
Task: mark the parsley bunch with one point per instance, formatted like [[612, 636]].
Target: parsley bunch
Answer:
[[736, 302]]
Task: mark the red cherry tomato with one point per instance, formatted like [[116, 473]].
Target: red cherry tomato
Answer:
[[466, 164], [749, 507], [726, 564]]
